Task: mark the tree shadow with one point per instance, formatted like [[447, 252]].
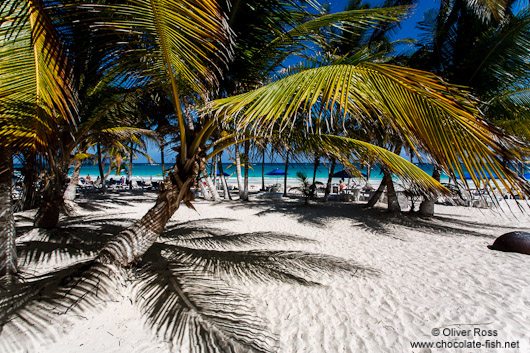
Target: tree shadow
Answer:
[[181, 285], [376, 220]]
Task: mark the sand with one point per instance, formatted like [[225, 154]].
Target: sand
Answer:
[[395, 281]]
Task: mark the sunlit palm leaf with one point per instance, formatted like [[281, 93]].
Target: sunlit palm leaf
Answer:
[[347, 150], [416, 105], [36, 76]]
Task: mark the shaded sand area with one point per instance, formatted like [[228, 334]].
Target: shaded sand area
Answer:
[[377, 283]]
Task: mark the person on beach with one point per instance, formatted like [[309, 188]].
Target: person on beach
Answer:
[[88, 179], [342, 186]]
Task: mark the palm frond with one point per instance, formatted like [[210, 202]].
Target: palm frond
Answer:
[[416, 105], [36, 76], [347, 150], [183, 38], [358, 19]]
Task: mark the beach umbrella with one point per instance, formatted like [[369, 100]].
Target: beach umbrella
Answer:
[[276, 172], [224, 173], [342, 174], [345, 174], [527, 176]]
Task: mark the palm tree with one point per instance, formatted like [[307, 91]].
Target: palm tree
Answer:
[[8, 256], [452, 131], [37, 98], [176, 57], [483, 46]]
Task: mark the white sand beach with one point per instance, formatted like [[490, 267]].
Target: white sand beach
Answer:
[[407, 276]]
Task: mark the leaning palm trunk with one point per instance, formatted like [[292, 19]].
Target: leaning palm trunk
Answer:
[[377, 194], [427, 206], [330, 179], [245, 188], [391, 195], [238, 171], [215, 171], [211, 187], [70, 192], [71, 189], [130, 244], [8, 258], [162, 161]]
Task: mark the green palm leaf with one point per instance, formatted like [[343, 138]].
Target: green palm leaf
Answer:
[[36, 90], [347, 149], [416, 105]]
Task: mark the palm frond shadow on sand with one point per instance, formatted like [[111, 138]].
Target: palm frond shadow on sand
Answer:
[[181, 286], [376, 220]]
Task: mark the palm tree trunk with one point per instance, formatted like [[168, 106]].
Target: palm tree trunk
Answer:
[[129, 172], [205, 192], [427, 206], [285, 176], [70, 192], [30, 176], [317, 163], [213, 190], [47, 216], [391, 195], [129, 245], [330, 179], [377, 194], [102, 175], [263, 170], [223, 179], [247, 151], [238, 171], [8, 255], [162, 162], [215, 173]]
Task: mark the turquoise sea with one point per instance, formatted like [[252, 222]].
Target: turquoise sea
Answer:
[[145, 170]]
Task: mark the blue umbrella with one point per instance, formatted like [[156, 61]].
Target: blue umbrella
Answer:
[[224, 173], [276, 172], [527, 176]]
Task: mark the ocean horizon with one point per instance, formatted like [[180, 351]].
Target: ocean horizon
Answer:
[[147, 171]]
